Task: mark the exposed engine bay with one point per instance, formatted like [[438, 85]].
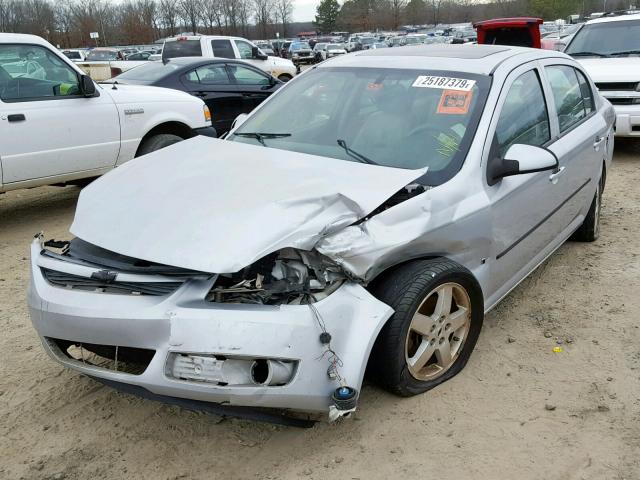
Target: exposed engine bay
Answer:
[[288, 276]]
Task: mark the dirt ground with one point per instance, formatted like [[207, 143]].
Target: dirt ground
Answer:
[[518, 411]]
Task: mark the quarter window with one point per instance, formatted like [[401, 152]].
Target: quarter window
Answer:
[[587, 94], [31, 72], [222, 49], [524, 118], [567, 95]]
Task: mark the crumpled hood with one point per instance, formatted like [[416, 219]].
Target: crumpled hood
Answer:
[[619, 69], [218, 206]]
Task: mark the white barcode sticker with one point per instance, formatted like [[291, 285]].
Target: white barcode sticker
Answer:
[[448, 83]]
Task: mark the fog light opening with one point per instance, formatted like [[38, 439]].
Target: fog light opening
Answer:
[[271, 372]]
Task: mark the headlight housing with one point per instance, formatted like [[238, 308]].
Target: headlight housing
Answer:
[[207, 113]]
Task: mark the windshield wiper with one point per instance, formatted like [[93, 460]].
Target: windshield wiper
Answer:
[[354, 154], [588, 54], [260, 136], [628, 52]]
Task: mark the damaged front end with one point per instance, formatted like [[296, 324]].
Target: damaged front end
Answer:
[[286, 277], [290, 332]]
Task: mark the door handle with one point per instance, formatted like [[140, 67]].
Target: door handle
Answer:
[[598, 141], [16, 117], [553, 178], [200, 94]]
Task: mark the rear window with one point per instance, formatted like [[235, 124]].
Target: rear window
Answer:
[[148, 72], [102, 55], [182, 48]]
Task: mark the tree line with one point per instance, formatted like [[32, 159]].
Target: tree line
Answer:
[[68, 23], [368, 15]]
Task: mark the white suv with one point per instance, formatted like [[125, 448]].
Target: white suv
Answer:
[[58, 126], [609, 49], [212, 46]]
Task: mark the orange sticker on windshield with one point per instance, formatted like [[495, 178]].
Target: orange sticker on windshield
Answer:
[[455, 102], [374, 86]]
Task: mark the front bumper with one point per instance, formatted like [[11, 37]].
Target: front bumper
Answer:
[[206, 131], [184, 322]]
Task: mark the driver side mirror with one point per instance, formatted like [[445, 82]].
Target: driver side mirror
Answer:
[[87, 87], [239, 120], [255, 53], [521, 159]]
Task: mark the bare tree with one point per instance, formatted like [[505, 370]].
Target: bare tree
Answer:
[[191, 12], [169, 16], [284, 11], [262, 10]]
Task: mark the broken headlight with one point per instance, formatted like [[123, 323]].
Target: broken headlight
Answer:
[[288, 276]]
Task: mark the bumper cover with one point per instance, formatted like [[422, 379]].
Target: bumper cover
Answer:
[[184, 322], [627, 120]]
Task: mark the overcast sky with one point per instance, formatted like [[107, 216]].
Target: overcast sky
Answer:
[[304, 10]]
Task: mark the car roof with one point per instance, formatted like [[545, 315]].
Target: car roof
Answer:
[[480, 59], [615, 18], [22, 38]]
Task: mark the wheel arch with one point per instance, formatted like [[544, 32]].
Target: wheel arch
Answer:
[[172, 127]]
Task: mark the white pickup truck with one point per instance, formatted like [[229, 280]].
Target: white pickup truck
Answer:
[[214, 46], [57, 126], [609, 50]]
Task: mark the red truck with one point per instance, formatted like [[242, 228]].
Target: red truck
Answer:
[[520, 31]]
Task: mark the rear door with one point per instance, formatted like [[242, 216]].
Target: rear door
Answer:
[[222, 48], [581, 136], [254, 84], [211, 83]]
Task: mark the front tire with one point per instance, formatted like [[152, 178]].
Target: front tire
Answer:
[[156, 142], [439, 309], [284, 77]]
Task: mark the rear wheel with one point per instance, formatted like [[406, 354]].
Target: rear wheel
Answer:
[[589, 231], [439, 311], [284, 77], [156, 142]]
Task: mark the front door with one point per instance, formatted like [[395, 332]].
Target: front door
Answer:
[[47, 128], [521, 205], [254, 84]]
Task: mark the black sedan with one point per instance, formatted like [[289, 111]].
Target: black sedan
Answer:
[[228, 87]]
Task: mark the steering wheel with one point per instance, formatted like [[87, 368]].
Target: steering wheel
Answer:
[[424, 129]]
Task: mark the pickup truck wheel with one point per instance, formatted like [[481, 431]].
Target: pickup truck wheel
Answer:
[[439, 311], [284, 77], [157, 142]]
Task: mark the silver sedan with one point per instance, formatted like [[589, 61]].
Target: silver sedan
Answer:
[[368, 215]]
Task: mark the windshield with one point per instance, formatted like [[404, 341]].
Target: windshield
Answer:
[[393, 117], [412, 40], [182, 48], [72, 55], [367, 41], [300, 46], [604, 39], [102, 55], [149, 72]]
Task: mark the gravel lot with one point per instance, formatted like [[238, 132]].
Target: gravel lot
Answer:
[[518, 411]]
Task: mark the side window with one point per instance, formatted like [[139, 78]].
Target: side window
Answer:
[[524, 117], [587, 94], [244, 48], [248, 76], [32, 72], [567, 95], [213, 75], [222, 49]]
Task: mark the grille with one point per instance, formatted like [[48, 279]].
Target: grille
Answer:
[[133, 361], [619, 86], [76, 282]]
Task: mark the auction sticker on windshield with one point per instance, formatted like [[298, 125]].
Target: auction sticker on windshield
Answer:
[[448, 83]]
